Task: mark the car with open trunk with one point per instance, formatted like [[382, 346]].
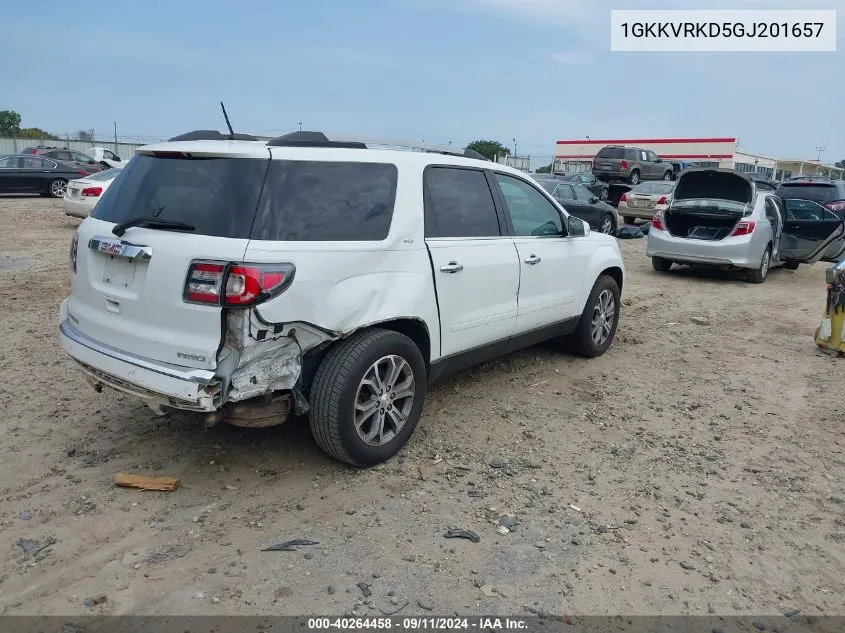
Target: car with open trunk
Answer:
[[719, 217]]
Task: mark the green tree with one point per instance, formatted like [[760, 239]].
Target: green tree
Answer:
[[545, 169], [85, 135], [489, 149], [36, 133], [840, 164], [10, 123]]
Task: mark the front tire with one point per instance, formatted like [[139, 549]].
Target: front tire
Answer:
[[760, 274], [57, 188], [598, 322], [660, 264], [367, 397], [603, 195]]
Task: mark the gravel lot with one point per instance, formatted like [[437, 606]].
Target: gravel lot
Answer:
[[696, 466]]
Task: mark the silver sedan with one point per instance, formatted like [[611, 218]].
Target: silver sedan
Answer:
[[718, 217], [645, 199]]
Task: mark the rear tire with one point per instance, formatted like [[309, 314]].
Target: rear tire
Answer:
[[667, 175], [791, 265], [634, 178], [660, 264], [596, 327], [57, 188], [760, 274], [345, 389]]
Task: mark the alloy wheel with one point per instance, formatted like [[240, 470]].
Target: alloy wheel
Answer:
[[604, 315], [384, 400]]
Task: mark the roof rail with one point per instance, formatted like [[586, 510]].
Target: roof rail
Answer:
[[213, 135], [319, 139]]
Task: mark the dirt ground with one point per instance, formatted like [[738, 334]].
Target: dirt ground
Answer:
[[696, 467]]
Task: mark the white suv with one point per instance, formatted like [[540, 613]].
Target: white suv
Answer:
[[249, 280]]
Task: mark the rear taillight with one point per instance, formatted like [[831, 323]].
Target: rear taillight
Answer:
[[624, 164], [233, 285], [92, 191], [74, 244], [745, 227], [661, 200], [82, 172], [657, 222], [623, 198], [838, 206]]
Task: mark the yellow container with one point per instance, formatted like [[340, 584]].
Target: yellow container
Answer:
[[830, 336]]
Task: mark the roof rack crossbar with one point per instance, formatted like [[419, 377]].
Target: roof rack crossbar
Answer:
[[319, 139]]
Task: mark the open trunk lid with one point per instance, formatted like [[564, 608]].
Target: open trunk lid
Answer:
[[129, 290], [707, 204]]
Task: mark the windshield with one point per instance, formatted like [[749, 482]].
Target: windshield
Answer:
[[662, 188], [548, 185], [104, 175], [807, 191]]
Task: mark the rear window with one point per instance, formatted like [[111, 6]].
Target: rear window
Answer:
[[326, 201], [222, 197], [806, 191], [654, 187], [106, 174], [613, 153], [218, 196]]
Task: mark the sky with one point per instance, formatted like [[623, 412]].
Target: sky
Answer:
[[422, 70]]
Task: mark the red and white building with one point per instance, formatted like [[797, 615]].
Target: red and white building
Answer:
[[577, 156]]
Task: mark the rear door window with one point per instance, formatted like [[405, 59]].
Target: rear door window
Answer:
[[531, 213], [217, 196], [460, 204], [318, 201]]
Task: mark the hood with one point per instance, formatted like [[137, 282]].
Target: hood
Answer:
[[713, 184]]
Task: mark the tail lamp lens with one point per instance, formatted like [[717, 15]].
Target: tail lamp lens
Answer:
[[745, 227], [236, 285]]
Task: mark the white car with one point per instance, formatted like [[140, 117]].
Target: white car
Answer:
[[103, 155], [246, 280], [83, 194]]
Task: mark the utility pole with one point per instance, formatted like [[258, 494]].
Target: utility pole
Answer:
[[514, 148], [819, 150], [300, 126], [115, 138]]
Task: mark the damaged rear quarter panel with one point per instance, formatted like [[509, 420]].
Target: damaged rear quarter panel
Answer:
[[350, 287]]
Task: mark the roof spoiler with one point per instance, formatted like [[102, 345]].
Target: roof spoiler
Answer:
[[213, 135]]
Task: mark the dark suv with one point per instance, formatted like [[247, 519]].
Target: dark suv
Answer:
[[630, 164], [826, 192]]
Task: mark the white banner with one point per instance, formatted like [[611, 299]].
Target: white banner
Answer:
[[733, 31]]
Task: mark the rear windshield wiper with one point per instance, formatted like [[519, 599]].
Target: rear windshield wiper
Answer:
[[153, 223]]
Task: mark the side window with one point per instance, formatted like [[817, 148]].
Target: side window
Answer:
[[305, 201], [564, 192], [61, 155], [10, 162], [111, 156], [643, 155], [531, 212], [771, 211], [582, 194], [461, 202], [652, 157], [81, 158]]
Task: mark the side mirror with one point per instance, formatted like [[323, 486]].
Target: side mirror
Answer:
[[576, 227], [593, 200]]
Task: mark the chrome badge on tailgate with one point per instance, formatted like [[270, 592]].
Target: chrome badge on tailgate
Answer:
[[119, 248]]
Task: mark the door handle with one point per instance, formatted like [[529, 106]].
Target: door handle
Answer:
[[532, 259], [452, 267]]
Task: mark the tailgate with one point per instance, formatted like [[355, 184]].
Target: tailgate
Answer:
[[129, 290]]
